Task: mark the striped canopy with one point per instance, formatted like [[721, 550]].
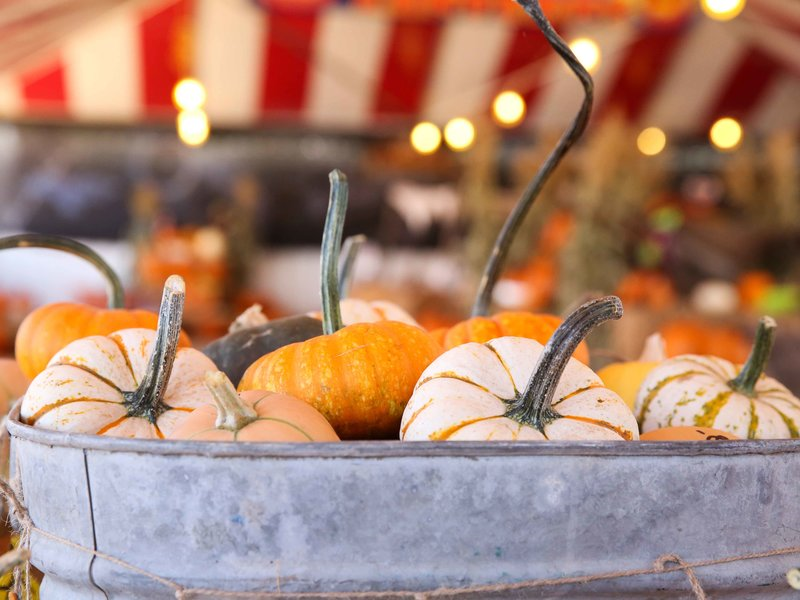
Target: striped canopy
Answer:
[[363, 66]]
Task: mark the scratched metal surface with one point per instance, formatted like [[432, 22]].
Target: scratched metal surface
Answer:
[[371, 516]]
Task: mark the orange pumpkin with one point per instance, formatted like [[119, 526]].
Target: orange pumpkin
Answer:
[[753, 286], [539, 327], [686, 434], [254, 416], [643, 287], [13, 383], [359, 377], [49, 328], [686, 336]]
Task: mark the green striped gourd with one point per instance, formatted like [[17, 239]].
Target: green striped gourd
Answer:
[[707, 391]]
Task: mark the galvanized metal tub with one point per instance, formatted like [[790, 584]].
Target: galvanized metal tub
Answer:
[[374, 516]]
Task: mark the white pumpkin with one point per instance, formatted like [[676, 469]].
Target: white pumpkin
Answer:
[[355, 311], [513, 388], [708, 391], [132, 383]]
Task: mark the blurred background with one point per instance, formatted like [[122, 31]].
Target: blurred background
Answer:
[[195, 137]]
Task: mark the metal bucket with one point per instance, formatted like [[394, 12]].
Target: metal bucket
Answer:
[[374, 516]]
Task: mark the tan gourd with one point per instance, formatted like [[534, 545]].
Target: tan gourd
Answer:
[[254, 416]]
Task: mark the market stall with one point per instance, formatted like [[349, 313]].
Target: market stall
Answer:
[[404, 300]]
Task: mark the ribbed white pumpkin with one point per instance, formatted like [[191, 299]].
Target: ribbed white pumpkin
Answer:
[[707, 391], [513, 388], [355, 311], [132, 383]]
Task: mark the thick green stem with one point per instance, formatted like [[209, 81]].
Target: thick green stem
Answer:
[[503, 243], [745, 382], [534, 406], [232, 413], [116, 295], [331, 245], [350, 248], [147, 400]]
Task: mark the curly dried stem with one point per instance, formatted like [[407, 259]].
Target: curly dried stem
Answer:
[[502, 245]]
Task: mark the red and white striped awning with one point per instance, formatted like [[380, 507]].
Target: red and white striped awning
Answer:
[[348, 66]]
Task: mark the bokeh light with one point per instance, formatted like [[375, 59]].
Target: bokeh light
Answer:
[[426, 138], [189, 94], [726, 134], [193, 127], [587, 52], [722, 10], [508, 108], [459, 133], [651, 141]]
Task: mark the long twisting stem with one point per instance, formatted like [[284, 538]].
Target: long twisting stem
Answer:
[[503, 243]]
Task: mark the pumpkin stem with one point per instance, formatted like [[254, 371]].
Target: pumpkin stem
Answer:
[[331, 245], [147, 400], [503, 243], [251, 317], [350, 248], [116, 296], [534, 406], [745, 381], [232, 413]]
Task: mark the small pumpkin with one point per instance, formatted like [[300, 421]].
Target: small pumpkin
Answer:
[[253, 416], [49, 328], [686, 434], [649, 288], [359, 376], [513, 388], [708, 391], [626, 377], [692, 336], [533, 326], [132, 383], [13, 383], [237, 350]]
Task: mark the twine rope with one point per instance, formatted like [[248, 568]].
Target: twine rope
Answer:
[[667, 563]]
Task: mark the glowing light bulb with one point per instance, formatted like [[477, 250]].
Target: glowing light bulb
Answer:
[[189, 94], [459, 133], [193, 127], [726, 134], [651, 141], [722, 10], [425, 138], [587, 52], [508, 108]]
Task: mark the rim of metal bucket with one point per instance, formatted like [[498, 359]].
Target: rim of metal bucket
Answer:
[[395, 448]]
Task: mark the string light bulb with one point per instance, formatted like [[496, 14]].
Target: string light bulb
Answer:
[[726, 134], [425, 138], [189, 94], [722, 10], [651, 141], [193, 127], [508, 108], [459, 134], [587, 52]]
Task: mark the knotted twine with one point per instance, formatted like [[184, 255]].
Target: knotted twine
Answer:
[[667, 563]]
